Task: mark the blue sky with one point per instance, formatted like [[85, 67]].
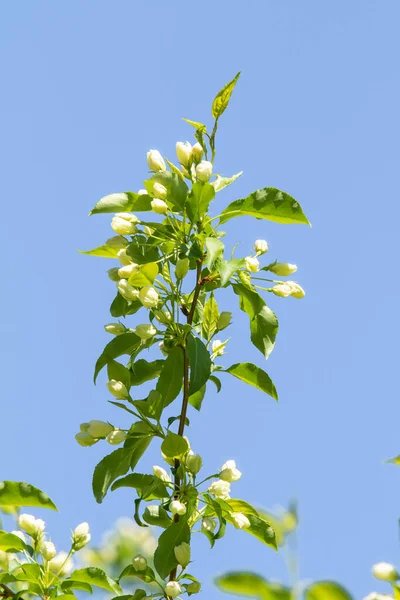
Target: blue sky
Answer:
[[87, 89]]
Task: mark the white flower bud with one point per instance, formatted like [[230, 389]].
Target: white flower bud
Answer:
[[182, 268], [161, 345], [32, 526], [128, 217], [182, 554], [261, 246], [218, 348], [160, 191], [48, 550], [224, 320], [197, 152], [139, 562], [208, 524], [385, 572], [81, 536], [148, 296], [116, 437], [173, 589], [283, 269], [145, 332], [99, 429], [85, 439], [81, 529], [159, 206], [117, 389], [163, 316], [124, 257], [19, 534], [282, 289], [220, 489], [177, 508], [60, 561], [127, 291], [296, 289], [194, 587], [240, 520], [252, 264], [193, 462], [184, 152], [127, 270], [115, 328], [142, 192], [148, 230], [161, 473], [376, 596], [124, 223], [229, 472], [155, 161], [204, 170]]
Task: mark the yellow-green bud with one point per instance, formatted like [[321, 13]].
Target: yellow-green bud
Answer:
[[182, 554], [116, 437], [148, 296], [193, 462], [184, 152], [163, 316], [252, 264], [159, 206], [182, 268], [145, 332], [282, 289], [155, 161], [99, 429], [197, 152], [115, 328], [117, 389], [283, 269], [124, 257], [139, 562], [85, 439], [296, 290], [173, 589], [160, 191], [127, 291], [177, 507], [204, 171]]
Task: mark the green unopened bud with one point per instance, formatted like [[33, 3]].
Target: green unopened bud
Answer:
[[173, 589], [163, 316], [208, 524], [197, 152], [99, 429], [283, 269], [159, 206], [182, 554], [224, 320], [116, 437], [296, 290], [193, 462], [115, 328], [145, 332], [117, 389], [85, 439], [182, 268], [80, 536], [139, 562]]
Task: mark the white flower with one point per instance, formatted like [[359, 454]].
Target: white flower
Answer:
[[98, 429], [204, 170], [148, 296], [32, 526], [155, 161], [124, 257], [252, 264], [282, 289], [162, 474], [159, 206], [208, 524], [193, 462], [139, 562], [197, 152], [115, 328], [261, 246], [385, 572], [218, 348], [124, 223], [117, 389], [48, 550], [283, 269], [296, 289], [240, 520], [61, 561], [85, 439], [184, 152], [182, 554], [173, 589], [145, 332], [127, 291], [127, 270], [116, 437], [229, 472], [220, 489], [160, 191], [177, 508], [81, 536]]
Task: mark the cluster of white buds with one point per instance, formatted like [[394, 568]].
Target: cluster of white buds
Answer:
[[93, 431], [80, 536], [124, 223], [220, 489], [288, 288], [188, 154]]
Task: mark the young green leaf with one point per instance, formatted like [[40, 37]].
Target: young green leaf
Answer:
[[126, 343], [221, 100], [157, 516], [169, 384], [145, 276], [122, 202], [174, 446], [19, 493], [164, 556], [118, 372], [210, 317], [108, 469], [147, 575], [200, 363], [199, 200], [252, 585], [143, 371], [222, 182], [215, 249], [326, 590], [10, 542], [121, 307], [253, 375], [226, 268], [97, 577], [108, 250], [267, 203], [148, 487], [196, 399]]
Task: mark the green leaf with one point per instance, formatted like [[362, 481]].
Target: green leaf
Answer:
[[216, 382], [199, 200], [126, 343], [221, 100], [97, 577], [174, 446], [121, 307], [121, 202], [396, 591], [138, 595], [196, 399], [253, 375], [10, 542], [139, 438], [169, 384], [157, 515], [215, 249], [263, 322], [200, 363], [140, 251], [146, 575], [19, 493], [28, 572], [222, 182], [267, 203], [148, 487], [252, 585], [195, 124], [242, 507], [326, 590], [118, 372], [164, 556], [143, 371], [108, 250], [210, 318], [108, 469], [260, 529], [71, 584], [152, 407], [226, 268], [145, 276], [177, 189]]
